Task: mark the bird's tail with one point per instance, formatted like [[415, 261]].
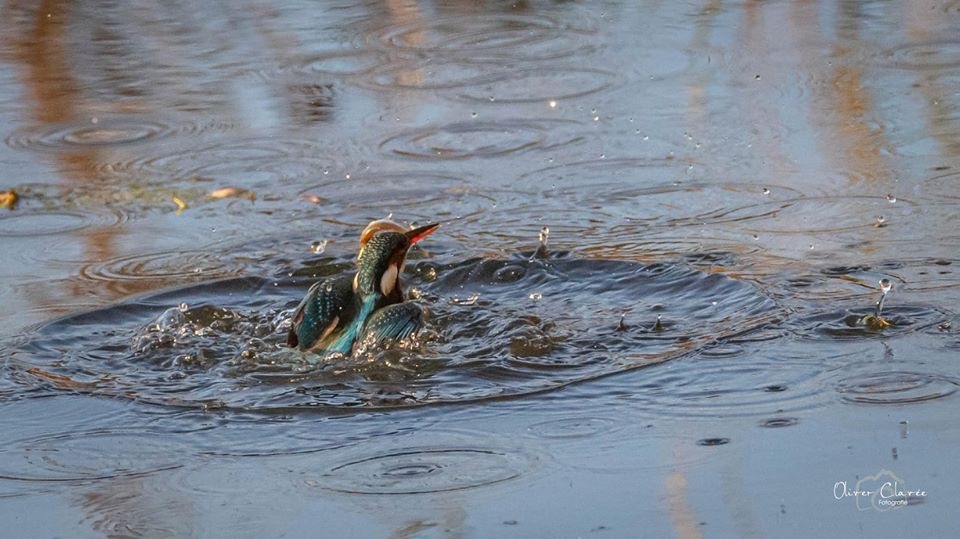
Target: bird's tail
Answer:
[[344, 344]]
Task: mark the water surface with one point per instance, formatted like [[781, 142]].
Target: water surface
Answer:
[[725, 185]]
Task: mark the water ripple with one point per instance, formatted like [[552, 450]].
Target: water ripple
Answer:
[[106, 132], [90, 455], [487, 36], [468, 140], [29, 223], [267, 162], [653, 191], [932, 55], [539, 85], [169, 266], [222, 348], [445, 462], [896, 387]]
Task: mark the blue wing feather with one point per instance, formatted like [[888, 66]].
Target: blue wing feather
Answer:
[[393, 323], [327, 303], [344, 343]]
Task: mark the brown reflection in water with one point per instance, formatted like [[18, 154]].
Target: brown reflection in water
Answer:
[[123, 507], [452, 523], [697, 109], [841, 107], [939, 99], [759, 97], [54, 97], [685, 524]]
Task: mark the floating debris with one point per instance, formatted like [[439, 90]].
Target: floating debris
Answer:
[[181, 205], [233, 192], [8, 199]]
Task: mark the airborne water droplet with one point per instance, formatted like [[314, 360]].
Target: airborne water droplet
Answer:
[[318, 247], [885, 285], [890, 198], [536, 296], [766, 191], [473, 115], [183, 307], [544, 234]]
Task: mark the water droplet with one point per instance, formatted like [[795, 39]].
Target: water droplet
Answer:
[[94, 120], [646, 137], [881, 221], [756, 237], [552, 104], [347, 176], [885, 285], [469, 300], [765, 191], [811, 247], [473, 114], [536, 296], [603, 156], [492, 99], [318, 247], [326, 172], [593, 111], [713, 441], [544, 234], [890, 198], [183, 307], [596, 118]]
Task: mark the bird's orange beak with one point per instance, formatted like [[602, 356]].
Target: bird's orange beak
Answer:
[[421, 232]]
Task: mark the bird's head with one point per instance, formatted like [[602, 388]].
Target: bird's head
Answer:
[[382, 258]]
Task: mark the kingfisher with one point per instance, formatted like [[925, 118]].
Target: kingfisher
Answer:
[[368, 305]]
